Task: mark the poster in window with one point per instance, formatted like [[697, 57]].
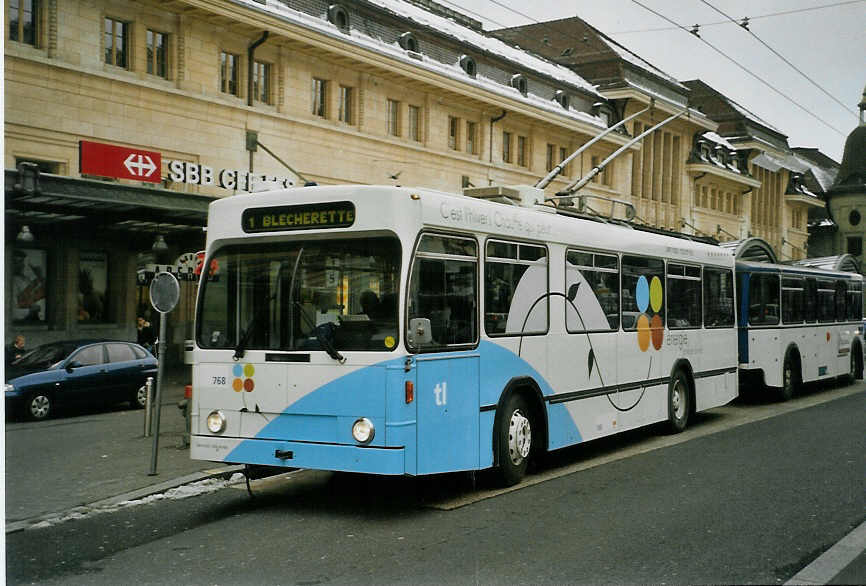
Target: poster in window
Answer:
[[92, 286], [28, 285]]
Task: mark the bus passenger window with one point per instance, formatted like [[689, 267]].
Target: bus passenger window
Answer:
[[855, 301], [763, 299], [718, 298], [826, 301], [515, 283], [643, 293], [792, 301], [443, 288], [841, 294], [597, 299], [810, 300], [684, 296]]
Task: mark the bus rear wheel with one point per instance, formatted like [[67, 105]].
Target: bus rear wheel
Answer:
[[679, 402], [515, 439], [790, 378]]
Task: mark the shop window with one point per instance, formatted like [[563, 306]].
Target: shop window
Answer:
[[27, 274], [229, 74], [157, 54], [93, 299], [116, 35], [24, 21]]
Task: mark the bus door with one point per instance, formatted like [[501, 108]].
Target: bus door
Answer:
[[442, 311], [446, 395]]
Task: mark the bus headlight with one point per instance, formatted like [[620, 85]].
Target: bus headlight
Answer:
[[363, 430], [216, 422], [10, 388]]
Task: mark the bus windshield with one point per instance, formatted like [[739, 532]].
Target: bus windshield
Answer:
[[302, 295]]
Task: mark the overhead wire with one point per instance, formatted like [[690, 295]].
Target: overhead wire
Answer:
[[751, 18], [782, 57], [743, 67]]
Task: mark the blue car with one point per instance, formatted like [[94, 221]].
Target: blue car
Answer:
[[91, 372]]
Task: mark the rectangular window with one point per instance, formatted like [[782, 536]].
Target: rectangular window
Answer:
[[116, 42], [415, 123], [594, 279], [764, 299], [319, 97], [792, 300], [93, 294], [157, 53], [347, 104], [562, 155], [515, 276], [506, 147], [471, 138], [23, 21], [855, 245], [262, 82], [840, 300], [229, 73], [393, 117], [551, 155], [443, 288], [718, 298], [684, 296], [826, 301], [642, 296], [521, 151], [453, 133], [28, 275], [810, 300], [855, 301]]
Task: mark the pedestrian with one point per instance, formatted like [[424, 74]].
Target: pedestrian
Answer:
[[15, 350], [146, 335]]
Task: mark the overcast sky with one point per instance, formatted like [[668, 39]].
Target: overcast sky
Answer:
[[828, 45]]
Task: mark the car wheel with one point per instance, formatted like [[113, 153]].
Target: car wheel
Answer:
[[678, 402], [515, 440], [139, 399], [38, 406]]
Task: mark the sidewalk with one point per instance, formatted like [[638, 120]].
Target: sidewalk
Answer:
[[97, 457]]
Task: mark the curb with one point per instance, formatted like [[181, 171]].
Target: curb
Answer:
[[225, 473]]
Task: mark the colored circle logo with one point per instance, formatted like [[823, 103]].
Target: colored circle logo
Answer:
[[649, 297], [243, 380]]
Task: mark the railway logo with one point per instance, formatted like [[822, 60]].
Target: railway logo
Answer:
[[243, 380], [649, 297]]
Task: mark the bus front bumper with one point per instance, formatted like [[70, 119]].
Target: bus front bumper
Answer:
[[317, 456]]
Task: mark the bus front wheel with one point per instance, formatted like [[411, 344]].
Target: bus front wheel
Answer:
[[679, 402], [515, 439]]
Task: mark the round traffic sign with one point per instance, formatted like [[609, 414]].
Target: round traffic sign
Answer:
[[164, 292]]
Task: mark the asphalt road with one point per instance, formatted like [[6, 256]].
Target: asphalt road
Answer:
[[748, 504]]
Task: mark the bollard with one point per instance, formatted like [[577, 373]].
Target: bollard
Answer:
[[147, 406]]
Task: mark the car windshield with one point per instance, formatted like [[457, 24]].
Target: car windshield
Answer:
[[45, 356], [302, 295]]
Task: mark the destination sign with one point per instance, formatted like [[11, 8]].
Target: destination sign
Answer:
[[340, 214]]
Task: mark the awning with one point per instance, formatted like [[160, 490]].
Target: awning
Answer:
[[773, 163], [34, 198]]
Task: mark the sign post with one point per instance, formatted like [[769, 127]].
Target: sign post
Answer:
[[164, 295]]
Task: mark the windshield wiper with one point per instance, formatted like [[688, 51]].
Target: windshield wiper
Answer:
[[242, 344], [319, 331]]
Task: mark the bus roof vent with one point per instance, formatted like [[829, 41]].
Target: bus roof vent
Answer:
[[521, 195]]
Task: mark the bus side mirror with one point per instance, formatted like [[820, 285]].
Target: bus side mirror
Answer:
[[419, 332]]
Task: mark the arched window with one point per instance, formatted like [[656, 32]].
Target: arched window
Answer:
[[468, 65], [518, 82], [562, 98], [339, 17], [409, 42]]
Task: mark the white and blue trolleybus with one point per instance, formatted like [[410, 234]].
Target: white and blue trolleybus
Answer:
[[798, 324], [392, 330]]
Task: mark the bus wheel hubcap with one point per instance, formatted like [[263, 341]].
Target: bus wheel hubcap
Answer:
[[519, 437], [678, 400]]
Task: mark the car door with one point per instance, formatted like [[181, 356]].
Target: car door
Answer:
[[123, 372], [86, 375]]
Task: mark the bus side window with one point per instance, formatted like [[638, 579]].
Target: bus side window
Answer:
[[826, 301], [684, 296], [841, 294], [515, 288], [810, 300], [643, 294], [792, 300], [597, 299], [444, 289], [855, 301], [718, 298], [763, 299]]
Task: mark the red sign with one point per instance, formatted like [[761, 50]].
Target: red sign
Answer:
[[107, 160]]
